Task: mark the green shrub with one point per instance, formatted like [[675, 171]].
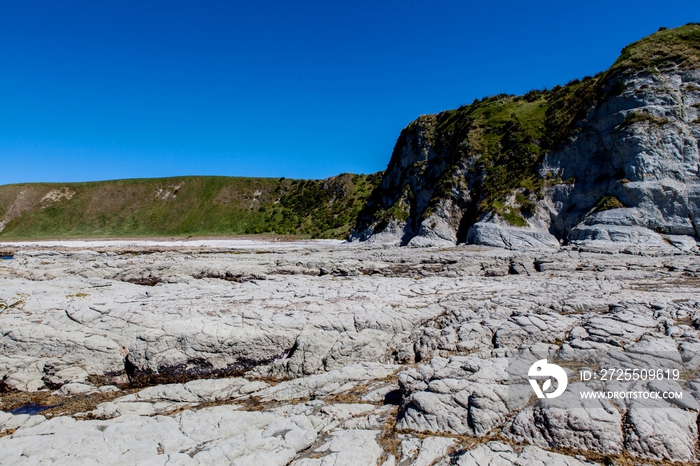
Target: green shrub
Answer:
[[529, 207], [608, 202], [617, 88], [641, 116], [514, 218]]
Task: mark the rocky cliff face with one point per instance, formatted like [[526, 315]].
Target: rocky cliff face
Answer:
[[608, 162], [638, 152]]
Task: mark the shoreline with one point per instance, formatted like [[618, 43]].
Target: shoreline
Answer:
[[163, 244]]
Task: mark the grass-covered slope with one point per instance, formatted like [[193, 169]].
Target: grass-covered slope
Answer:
[[184, 206], [666, 47], [504, 138]]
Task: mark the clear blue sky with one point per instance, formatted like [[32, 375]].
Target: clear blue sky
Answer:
[[93, 90]]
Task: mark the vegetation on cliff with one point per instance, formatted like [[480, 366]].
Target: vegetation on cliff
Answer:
[[665, 48], [502, 139]]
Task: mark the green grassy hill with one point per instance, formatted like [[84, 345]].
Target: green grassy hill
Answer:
[[184, 206]]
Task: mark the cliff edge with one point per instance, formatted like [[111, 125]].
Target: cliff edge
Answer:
[[607, 162]]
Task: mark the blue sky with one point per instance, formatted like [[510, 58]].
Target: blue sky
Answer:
[[93, 90]]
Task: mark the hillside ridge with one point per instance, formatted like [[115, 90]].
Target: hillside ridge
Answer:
[[184, 206]]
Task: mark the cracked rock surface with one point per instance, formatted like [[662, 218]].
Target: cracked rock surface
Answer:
[[343, 355]]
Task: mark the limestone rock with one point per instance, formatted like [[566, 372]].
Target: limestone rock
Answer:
[[462, 395], [495, 453], [11, 422], [346, 448], [521, 239], [426, 451], [657, 429], [336, 324], [570, 422]]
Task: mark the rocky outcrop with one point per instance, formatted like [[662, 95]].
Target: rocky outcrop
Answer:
[[635, 164], [337, 354], [611, 163]]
